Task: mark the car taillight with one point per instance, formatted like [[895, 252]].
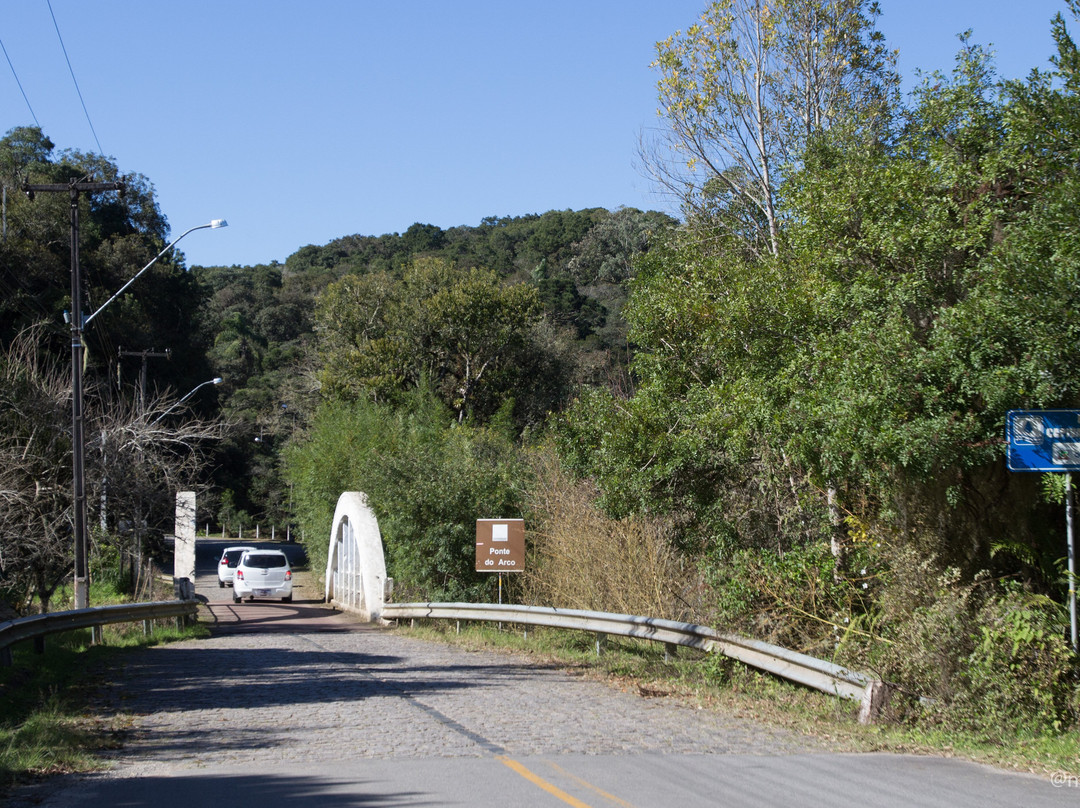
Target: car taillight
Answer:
[[240, 574], [288, 575], [225, 561]]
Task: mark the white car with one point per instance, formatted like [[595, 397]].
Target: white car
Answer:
[[263, 574], [230, 557]]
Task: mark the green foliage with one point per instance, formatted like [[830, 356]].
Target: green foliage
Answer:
[[796, 598], [427, 478], [826, 414], [1021, 674], [468, 334], [986, 657], [926, 284], [378, 315]]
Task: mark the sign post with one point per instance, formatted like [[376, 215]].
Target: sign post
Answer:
[[500, 546], [1072, 556], [1049, 440]]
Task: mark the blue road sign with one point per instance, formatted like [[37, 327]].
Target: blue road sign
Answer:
[[1043, 440]]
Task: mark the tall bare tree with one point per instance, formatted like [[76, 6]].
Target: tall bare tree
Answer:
[[145, 455], [743, 91], [35, 473]]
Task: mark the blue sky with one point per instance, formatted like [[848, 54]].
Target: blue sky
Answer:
[[300, 122]]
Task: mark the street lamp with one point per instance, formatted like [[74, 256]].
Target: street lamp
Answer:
[[78, 446], [214, 224], [215, 380]]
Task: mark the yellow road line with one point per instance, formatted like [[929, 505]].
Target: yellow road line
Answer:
[[586, 784], [541, 782]]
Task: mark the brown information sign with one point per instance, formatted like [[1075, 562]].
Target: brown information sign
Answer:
[[500, 545]]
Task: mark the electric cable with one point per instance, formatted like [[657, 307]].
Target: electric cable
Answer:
[[76, 82], [21, 90]]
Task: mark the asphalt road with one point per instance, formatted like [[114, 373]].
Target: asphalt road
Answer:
[[293, 704]]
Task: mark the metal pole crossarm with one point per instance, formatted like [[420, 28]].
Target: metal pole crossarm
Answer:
[[74, 186]]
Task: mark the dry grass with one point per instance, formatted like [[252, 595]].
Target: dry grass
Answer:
[[582, 559]]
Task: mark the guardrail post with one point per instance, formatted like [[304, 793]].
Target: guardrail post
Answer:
[[601, 641], [874, 700], [147, 627], [5, 657], [39, 645], [97, 636], [670, 651]]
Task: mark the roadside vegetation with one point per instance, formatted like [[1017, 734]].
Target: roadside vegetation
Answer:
[[806, 445], [47, 726]]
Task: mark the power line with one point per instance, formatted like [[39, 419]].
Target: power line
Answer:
[[76, 82], [21, 90]]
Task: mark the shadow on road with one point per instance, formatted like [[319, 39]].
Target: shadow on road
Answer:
[[269, 616], [242, 788]]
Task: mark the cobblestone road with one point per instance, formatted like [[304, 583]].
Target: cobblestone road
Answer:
[[325, 695], [292, 703]]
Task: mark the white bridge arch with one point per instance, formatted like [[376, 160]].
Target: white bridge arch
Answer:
[[355, 566]]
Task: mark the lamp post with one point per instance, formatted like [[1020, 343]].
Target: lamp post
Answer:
[[215, 380], [78, 446]]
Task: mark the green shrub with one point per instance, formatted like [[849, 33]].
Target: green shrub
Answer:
[[427, 478], [795, 598], [1021, 674], [980, 655]]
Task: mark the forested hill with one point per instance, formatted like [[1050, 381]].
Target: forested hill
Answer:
[[277, 333], [580, 260]]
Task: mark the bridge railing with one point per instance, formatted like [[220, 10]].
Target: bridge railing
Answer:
[[38, 626], [816, 673]]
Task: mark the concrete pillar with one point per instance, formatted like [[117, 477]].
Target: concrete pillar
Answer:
[[184, 546]]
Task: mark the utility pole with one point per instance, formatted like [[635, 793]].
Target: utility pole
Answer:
[[78, 446], [166, 354]]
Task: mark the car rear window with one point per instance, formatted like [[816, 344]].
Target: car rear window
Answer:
[[233, 557], [265, 561]]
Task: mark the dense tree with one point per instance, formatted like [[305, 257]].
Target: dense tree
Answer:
[[260, 333], [119, 234], [828, 416], [461, 331], [608, 251]]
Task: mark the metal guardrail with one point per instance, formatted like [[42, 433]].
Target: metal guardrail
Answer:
[[807, 670], [39, 625]]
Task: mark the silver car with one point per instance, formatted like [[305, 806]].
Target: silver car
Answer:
[[230, 557], [263, 574]]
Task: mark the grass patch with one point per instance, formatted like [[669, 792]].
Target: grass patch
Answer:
[[44, 728], [713, 681]]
